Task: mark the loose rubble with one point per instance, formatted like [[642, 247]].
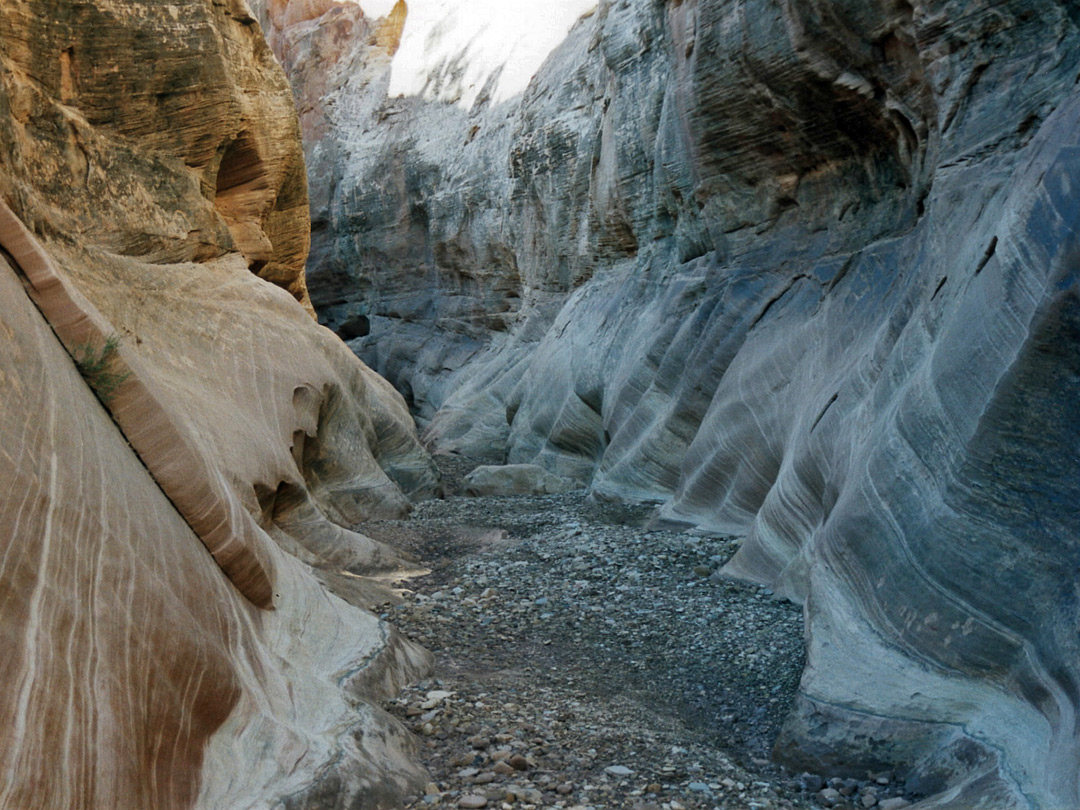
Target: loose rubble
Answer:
[[588, 664]]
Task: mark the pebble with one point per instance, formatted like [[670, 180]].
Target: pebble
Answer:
[[829, 797], [895, 803], [538, 725], [811, 782], [868, 800]]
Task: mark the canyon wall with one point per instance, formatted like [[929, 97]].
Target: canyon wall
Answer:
[[802, 272], [182, 601]]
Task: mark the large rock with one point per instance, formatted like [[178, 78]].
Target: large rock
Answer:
[[515, 479], [182, 617], [805, 272]]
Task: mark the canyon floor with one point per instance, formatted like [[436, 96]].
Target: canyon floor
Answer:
[[584, 661]]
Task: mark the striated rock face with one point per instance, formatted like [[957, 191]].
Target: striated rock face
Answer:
[[805, 272], [151, 172]]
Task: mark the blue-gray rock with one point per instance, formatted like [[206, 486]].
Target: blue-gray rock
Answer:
[[803, 272]]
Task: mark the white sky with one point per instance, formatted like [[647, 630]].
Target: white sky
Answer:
[[514, 34]]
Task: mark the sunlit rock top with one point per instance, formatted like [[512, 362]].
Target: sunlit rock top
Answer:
[[461, 50]]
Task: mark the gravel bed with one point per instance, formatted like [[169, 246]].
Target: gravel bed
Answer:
[[584, 662]]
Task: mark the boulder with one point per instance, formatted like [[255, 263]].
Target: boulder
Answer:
[[515, 479]]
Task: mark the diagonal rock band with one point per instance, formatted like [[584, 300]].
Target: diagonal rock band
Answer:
[[200, 496]]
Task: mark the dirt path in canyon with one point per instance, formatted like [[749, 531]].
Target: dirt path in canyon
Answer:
[[584, 662]]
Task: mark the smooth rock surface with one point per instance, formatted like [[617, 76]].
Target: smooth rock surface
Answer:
[[181, 597], [801, 272]]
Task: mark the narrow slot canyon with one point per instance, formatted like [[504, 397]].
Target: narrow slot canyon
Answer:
[[587, 404]]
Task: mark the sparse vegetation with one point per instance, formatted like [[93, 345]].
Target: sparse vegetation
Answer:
[[96, 367]]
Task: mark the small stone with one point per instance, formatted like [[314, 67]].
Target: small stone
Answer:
[[479, 741], [565, 789], [485, 778], [702, 570], [653, 787], [811, 782], [895, 803], [518, 762], [849, 787], [472, 801], [468, 773], [434, 699], [699, 787], [618, 770], [868, 800], [503, 768], [431, 789], [829, 797]]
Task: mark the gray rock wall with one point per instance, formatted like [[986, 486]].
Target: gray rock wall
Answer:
[[802, 272]]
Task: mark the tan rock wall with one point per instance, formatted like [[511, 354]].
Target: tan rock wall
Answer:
[[152, 154]]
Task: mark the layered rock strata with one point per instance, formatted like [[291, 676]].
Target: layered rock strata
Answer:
[[803, 272], [184, 448]]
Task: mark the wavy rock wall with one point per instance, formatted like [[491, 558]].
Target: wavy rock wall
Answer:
[[181, 598], [803, 272]]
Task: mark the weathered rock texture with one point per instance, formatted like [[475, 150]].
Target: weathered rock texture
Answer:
[[180, 595], [806, 272]]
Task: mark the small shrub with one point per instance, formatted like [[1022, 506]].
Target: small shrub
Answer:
[[95, 366]]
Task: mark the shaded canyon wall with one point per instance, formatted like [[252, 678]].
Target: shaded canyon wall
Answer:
[[182, 602], [801, 272]]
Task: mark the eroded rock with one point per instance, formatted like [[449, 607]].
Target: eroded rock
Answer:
[[800, 272], [183, 614]]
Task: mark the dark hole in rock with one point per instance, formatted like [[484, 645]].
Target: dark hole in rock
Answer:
[[240, 169], [354, 326]]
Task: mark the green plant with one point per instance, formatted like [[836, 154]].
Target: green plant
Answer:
[[96, 367]]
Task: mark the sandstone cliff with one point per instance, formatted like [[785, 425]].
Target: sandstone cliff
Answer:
[[181, 595], [804, 272]]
